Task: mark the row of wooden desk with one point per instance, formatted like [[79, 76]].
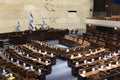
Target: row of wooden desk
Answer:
[[18, 71], [32, 57], [79, 56], [37, 53], [79, 44], [13, 55], [64, 52], [96, 38], [87, 66], [74, 40], [68, 43], [108, 76], [30, 60], [26, 36]]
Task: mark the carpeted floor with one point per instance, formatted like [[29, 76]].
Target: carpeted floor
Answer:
[[60, 71], [55, 43]]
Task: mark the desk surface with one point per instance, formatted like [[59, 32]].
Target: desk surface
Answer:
[[99, 51], [35, 51], [96, 71]]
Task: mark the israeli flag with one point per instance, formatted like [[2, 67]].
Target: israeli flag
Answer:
[[31, 21], [18, 26], [43, 24]]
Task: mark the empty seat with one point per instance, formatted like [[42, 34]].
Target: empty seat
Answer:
[[30, 75]]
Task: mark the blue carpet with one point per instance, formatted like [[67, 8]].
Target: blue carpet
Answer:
[[73, 35], [55, 43], [61, 71]]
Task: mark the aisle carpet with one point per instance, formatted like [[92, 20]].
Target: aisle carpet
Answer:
[[60, 71]]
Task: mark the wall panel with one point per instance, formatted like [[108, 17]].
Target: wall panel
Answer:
[[54, 12]]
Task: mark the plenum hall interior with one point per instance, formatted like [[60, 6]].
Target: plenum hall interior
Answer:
[[59, 40]]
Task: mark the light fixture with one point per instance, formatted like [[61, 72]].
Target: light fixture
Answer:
[[89, 24], [106, 5], [115, 28]]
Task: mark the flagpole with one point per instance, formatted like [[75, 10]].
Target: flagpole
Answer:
[[18, 26], [31, 22]]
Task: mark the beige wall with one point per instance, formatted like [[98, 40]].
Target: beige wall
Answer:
[[54, 12]]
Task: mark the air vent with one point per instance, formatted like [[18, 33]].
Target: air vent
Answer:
[[72, 11]]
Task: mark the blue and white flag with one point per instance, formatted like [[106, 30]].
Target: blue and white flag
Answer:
[[31, 21], [43, 24], [18, 26]]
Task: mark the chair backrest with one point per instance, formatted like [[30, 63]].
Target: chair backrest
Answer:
[[30, 75]]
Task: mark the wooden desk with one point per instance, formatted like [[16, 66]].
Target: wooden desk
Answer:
[[87, 74], [30, 61], [39, 54], [8, 70], [104, 69], [40, 76], [86, 44], [89, 65], [35, 51], [70, 60], [26, 36], [68, 42], [99, 51]]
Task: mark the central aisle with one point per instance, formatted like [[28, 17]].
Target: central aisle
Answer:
[[61, 71]]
